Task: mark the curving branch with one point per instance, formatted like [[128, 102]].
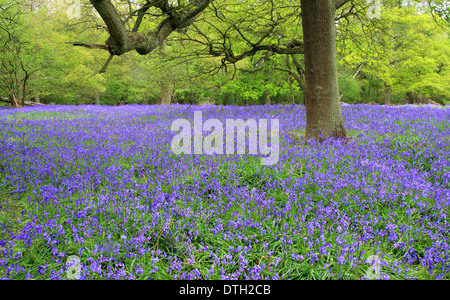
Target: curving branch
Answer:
[[122, 41]]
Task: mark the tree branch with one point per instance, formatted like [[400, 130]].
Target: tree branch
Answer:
[[121, 41], [90, 46], [103, 70], [339, 3], [294, 74]]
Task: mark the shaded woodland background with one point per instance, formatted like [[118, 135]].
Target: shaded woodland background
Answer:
[[403, 57]]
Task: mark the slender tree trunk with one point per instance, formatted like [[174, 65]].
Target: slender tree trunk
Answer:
[[226, 99], [36, 97], [24, 90], [323, 109], [387, 95], [166, 91], [266, 98], [97, 98], [291, 89], [266, 80], [290, 80]]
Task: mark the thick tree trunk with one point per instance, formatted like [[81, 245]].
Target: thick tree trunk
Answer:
[[387, 95], [323, 109]]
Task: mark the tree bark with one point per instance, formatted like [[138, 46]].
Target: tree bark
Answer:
[[323, 109]]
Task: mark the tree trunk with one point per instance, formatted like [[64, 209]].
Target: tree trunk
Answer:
[[13, 100], [290, 80], [323, 109], [97, 98], [387, 95], [266, 79], [166, 91], [36, 97], [226, 99], [24, 90], [266, 98], [291, 89]]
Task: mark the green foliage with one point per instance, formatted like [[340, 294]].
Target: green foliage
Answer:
[[351, 89], [407, 50]]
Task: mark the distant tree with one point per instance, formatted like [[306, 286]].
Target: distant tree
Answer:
[[406, 51], [16, 69]]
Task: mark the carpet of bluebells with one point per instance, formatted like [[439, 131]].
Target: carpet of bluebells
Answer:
[[102, 183]]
